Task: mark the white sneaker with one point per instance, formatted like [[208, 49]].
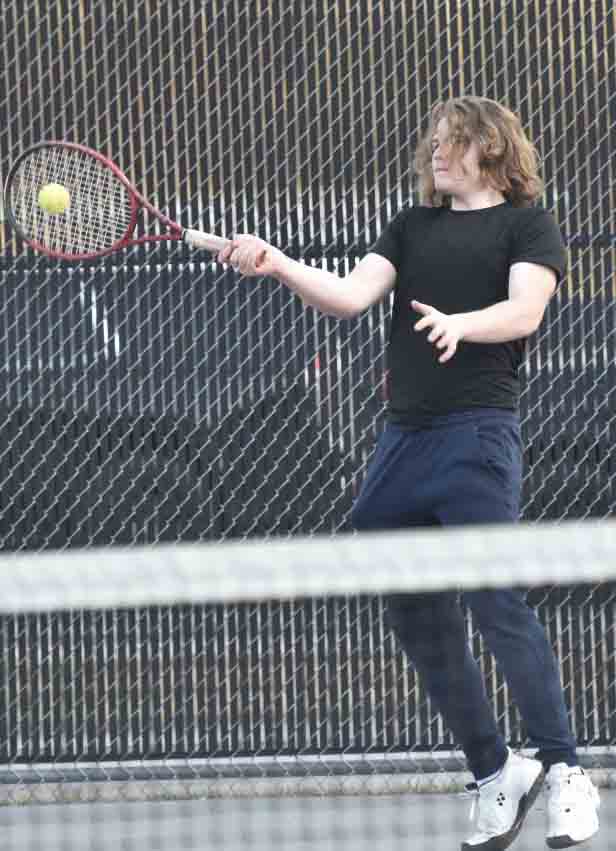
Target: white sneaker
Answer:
[[501, 804], [572, 806]]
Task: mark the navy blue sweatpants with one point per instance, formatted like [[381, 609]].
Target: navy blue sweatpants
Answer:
[[466, 468]]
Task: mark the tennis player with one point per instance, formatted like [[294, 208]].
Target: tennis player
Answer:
[[472, 270]]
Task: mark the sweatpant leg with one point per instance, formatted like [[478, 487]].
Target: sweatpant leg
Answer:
[[432, 632], [508, 624], [469, 472], [398, 493], [520, 645]]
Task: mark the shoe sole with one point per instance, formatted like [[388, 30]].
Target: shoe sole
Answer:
[[566, 841], [500, 843]]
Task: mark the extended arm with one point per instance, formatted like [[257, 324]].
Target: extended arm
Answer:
[[369, 281]]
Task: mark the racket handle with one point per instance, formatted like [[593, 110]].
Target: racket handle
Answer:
[[199, 239]]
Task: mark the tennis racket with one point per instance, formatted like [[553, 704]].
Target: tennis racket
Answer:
[[103, 211]]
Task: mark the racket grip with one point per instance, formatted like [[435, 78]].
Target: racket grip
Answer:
[[199, 239]]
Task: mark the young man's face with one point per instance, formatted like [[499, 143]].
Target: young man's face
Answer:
[[454, 177]]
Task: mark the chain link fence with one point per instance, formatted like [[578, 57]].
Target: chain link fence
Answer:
[[156, 398]]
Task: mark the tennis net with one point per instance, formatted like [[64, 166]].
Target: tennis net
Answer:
[[249, 694]]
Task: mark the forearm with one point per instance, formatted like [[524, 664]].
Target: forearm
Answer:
[[500, 323], [316, 287]]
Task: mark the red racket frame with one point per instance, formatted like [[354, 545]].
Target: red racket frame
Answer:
[[138, 202]]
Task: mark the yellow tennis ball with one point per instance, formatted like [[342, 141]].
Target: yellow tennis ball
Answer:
[[54, 198]]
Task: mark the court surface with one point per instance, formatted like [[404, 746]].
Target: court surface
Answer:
[[434, 822]]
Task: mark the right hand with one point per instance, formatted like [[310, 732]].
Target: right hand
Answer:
[[250, 255]]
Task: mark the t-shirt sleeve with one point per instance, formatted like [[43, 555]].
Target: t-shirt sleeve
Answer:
[[390, 242], [538, 240]]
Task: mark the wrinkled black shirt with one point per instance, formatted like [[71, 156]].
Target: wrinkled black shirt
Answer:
[[458, 261]]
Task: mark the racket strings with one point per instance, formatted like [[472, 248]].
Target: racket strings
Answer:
[[99, 213]]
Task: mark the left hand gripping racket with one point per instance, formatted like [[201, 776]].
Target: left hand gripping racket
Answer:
[[103, 210]]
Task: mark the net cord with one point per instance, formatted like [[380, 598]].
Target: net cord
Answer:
[[495, 556]]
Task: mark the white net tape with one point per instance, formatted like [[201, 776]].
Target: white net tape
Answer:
[[256, 570]]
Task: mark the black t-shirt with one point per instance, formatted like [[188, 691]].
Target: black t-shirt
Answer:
[[458, 261]]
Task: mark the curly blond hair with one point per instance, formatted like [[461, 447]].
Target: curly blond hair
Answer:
[[508, 161]]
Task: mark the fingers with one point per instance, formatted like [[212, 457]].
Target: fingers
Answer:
[[442, 334], [433, 319], [430, 315], [225, 254], [423, 323], [231, 254], [451, 350], [244, 253], [443, 339], [436, 333]]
